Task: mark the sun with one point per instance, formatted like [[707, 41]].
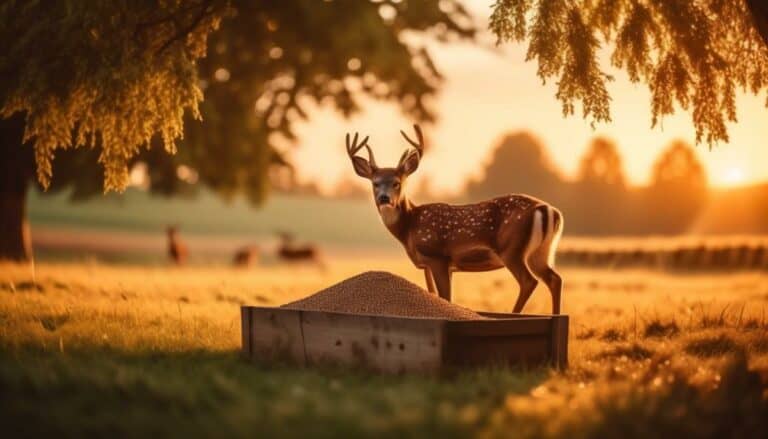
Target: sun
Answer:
[[734, 176]]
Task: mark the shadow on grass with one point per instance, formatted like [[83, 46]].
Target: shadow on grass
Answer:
[[106, 392]]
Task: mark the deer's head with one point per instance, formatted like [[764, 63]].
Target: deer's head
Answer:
[[388, 183]]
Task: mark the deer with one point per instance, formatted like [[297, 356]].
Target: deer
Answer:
[[291, 252], [177, 250], [245, 256], [517, 232]]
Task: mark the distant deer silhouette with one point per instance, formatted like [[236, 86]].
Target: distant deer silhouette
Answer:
[[288, 251], [177, 249], [245, 256]]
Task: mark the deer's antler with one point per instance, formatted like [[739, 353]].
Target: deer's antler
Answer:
[[353, 147], [418, 145]]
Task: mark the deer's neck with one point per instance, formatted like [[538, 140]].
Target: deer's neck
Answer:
[[396, 218]]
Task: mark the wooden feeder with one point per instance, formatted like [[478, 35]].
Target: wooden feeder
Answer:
[[403, 344]]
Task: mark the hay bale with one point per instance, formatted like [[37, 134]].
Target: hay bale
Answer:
[[382, 293]]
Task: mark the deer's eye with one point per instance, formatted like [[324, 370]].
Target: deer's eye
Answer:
[[396, 185]]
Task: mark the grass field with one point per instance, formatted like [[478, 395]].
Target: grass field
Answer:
[[94, 349]]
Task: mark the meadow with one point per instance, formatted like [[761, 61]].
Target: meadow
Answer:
[[92, 349]]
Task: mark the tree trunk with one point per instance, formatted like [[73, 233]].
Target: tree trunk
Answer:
[[16, 170], [759, 10]]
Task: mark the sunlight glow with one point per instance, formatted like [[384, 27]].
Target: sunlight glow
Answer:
[[734, 176]]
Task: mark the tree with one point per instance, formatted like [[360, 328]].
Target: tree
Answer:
[[105, 75], [519, 164], [690, 53], [601, 164], [265, 64], [599, 202], [678, 189]]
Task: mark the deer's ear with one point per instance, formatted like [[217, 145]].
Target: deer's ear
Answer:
[[409, 162], [362, 167]]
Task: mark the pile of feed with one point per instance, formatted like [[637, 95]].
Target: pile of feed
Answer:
[[382, 293]]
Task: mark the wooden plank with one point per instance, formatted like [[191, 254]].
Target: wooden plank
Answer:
[[245, 324], [383, 344], [559, 341], [505, 327], [503, 315], [276, 334], [472, 351]]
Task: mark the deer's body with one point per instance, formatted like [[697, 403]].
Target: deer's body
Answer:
[[245, 256], [516, 231], [290, 252], [470, 237], [177, 249]]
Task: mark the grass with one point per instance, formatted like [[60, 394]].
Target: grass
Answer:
[[95, 350]]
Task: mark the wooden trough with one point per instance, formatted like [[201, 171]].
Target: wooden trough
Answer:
[[403, 344]]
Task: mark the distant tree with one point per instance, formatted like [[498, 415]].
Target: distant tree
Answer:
[[601, 164], [118, 77], [597, 202], [519, 164], [677, 166], [692, 53], [678, 189]]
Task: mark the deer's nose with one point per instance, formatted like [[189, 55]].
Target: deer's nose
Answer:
[[383, 199]]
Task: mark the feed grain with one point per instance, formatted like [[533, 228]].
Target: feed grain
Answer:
[[382, 293]]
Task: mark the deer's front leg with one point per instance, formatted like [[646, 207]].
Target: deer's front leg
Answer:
[[442, 274], [430, 281]]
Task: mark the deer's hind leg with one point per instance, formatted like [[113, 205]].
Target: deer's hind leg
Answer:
[[516, 264], [516, 249], [542, 259], [514, 258], [538, 262]]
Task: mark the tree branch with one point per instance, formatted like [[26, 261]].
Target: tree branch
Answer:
[[183, 32]]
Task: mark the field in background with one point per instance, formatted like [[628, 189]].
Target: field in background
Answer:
[[130, 228], [133, 350], [336, 222]]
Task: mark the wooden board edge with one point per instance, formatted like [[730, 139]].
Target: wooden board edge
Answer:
[[506, 315], [559, 341], [245, 322], [500, 327]]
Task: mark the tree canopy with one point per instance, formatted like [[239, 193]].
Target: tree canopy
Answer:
[[126, 80], [111, 75], [272, 60], [693, 54]]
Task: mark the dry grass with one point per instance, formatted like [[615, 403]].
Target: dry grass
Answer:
[[95, 349]]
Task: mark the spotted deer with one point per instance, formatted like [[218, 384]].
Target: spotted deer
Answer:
[[515, 231]]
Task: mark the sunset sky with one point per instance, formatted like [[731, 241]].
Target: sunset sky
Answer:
[[489, 92]]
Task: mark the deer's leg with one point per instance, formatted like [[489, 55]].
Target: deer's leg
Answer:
[[554, 283], [442, 275], [430, 281], [519, 269], [541, 268]]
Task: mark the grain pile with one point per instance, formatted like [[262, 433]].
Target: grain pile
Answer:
[[382, 293]]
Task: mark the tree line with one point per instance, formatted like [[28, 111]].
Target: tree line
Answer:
[[599, 201]]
